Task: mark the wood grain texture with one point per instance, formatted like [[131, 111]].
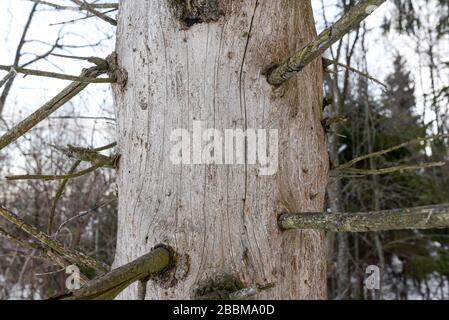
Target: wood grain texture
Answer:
[[221, 219]]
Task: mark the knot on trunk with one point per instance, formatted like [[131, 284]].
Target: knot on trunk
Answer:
[[191, 12], [218, 287]]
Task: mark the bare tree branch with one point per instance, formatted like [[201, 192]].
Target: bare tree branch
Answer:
[[57, 75], [430, 217], [89, 155], [11, 74], [88, 7], [62, 186], [385, 151], [18, 54], [50, 107], [73, 255], [324, 41], [352, 172], [110, 285], [328, 62], [53, 177], [93, 5]]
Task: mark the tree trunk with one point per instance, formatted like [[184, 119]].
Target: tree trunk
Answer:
[[204, 62]]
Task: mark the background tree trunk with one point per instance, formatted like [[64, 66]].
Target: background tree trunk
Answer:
[[220, 219]]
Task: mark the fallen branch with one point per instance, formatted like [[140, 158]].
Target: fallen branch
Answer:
[[324, 41], [108, 286], [74, 256], [430, 217]]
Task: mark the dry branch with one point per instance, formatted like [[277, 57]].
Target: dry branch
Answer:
[[74, 256], [328, 62], [62, 186], [53, 177], [89, 155], [93, 5], [11, 74], [56, 75], [111, 284], [88, 7], [430, 217], [324, 41], [353, 172], [24, 244], [58, 196], [50, 107], [385, 151]]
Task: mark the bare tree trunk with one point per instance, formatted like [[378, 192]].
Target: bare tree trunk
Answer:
[[220, 219]]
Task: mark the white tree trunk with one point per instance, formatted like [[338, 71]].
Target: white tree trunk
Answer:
[[220, 219]]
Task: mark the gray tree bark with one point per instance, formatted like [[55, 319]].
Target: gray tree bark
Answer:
[[220, 219]]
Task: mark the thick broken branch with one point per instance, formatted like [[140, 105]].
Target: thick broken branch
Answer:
[[74, 256], [50, 107], [430, 217], [89, 155], [324, 41], [108, 286]]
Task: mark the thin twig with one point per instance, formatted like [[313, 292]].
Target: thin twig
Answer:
[[93, 5], [53, 177], [63, 185], [56, 75], [385, 151], [328, 62], [353, 172], [82, 214], [86, 6], [58, 196]]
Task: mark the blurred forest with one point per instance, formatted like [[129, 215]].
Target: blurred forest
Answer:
[[407, 100]]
